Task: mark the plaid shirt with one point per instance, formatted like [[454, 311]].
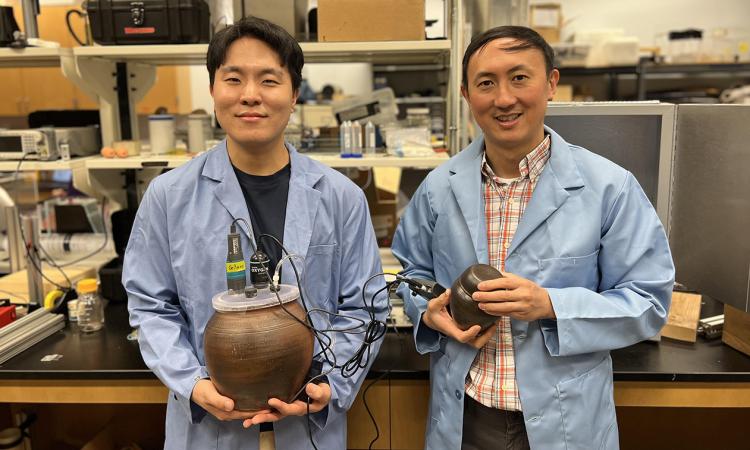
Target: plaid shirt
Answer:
[[492, 378]]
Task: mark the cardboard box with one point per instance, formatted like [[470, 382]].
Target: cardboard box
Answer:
[[371, 20], [546, 19], [564, 93]]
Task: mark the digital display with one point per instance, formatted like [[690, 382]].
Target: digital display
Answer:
[[11, 144]]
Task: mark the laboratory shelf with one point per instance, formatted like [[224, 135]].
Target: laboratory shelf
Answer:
[[31, 57], [195, 54], [30, 165], [138, 162], [329, 159]]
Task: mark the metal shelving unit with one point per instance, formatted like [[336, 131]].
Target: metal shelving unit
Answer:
[[646, 70], [385, 52]]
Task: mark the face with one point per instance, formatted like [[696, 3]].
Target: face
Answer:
[[508, 92], [253, 95]]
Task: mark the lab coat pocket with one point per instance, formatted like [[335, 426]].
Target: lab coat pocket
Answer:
[[318, 276], [587, 407], [572, 271]]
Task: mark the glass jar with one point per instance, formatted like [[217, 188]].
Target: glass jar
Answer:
[[90, 306]]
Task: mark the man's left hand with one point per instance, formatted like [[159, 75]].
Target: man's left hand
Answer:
[[516, 297], [320, 395]]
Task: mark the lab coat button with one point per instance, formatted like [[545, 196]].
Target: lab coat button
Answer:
[[458, 394], [521, 337], [534, 419]]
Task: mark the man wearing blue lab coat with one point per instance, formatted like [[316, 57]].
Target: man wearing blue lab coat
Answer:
[[587, 264], [175, 260]]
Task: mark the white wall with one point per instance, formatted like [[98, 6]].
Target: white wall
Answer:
[[647, 18]]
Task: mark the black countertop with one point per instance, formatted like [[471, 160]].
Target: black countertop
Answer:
[[108, 355]]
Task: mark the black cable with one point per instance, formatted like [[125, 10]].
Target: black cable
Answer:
[[373, 331], [70, 28], [367, 408]]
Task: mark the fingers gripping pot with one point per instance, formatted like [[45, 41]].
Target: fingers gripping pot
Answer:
[[464, 309], [255, 349]]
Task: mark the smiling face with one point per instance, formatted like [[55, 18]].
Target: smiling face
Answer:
[[253, 96], [507, 90]]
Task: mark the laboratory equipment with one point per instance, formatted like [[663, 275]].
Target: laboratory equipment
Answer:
[[148, 21], [49, 143], [90, 306], [27, 331], [378, 107]]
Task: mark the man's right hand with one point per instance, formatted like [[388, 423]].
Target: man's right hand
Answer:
[[206, 395], [439, 319]]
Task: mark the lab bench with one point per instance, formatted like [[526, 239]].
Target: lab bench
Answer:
[[101, 373]]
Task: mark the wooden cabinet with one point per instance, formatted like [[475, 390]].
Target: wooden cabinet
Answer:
[[400, 409]]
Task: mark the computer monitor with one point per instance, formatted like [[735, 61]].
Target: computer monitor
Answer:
[[638, 136]]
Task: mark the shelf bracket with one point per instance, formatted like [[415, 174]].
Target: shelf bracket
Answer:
[[98, 78]]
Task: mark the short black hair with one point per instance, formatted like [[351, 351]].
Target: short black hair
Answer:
[[276, 37], [526, 37]]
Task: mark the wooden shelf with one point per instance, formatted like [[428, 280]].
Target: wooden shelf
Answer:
[[387, 52]]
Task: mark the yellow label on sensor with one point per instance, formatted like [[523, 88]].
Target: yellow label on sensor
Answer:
[[238, 266]]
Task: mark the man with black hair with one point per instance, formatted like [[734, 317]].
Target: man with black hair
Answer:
[[175, 260], [586, 262]]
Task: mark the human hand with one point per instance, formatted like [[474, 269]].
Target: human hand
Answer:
[[320, 395], [205, 394], [439, 319], [516, 297]]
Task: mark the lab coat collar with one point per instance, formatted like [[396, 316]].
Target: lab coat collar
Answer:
[[302, 200], [560, 176], [466, 183]]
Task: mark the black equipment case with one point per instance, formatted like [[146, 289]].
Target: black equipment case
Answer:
[[148, 21]]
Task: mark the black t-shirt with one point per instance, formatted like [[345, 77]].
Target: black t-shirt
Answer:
[[266, 198]]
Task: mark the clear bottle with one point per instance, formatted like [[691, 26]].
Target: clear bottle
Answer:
[[356, 150], [90, 306], [369, 138]]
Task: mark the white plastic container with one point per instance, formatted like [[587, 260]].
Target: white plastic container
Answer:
[[199, 131], [161, 133]]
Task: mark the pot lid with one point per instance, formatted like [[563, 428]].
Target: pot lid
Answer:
[[263, 298]]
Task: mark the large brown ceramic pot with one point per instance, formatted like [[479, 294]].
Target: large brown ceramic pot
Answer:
[[258, 352], [464, 309]]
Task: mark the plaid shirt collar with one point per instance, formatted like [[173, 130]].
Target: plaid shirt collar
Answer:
[[531, 166]]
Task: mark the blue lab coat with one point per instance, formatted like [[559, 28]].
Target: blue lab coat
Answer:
[[589, 236], [175, 263]]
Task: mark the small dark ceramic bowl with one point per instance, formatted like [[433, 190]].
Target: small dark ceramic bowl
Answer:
[[465, 310]]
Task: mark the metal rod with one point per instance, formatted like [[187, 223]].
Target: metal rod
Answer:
[[33, 261], [30, 11]]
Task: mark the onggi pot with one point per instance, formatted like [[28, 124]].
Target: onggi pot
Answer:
[[464, 309], [258, 348]]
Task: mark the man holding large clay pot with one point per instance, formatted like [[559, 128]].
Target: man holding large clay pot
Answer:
[[175, 260]]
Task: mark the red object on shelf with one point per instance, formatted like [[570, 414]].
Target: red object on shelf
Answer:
[[7, 315]]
